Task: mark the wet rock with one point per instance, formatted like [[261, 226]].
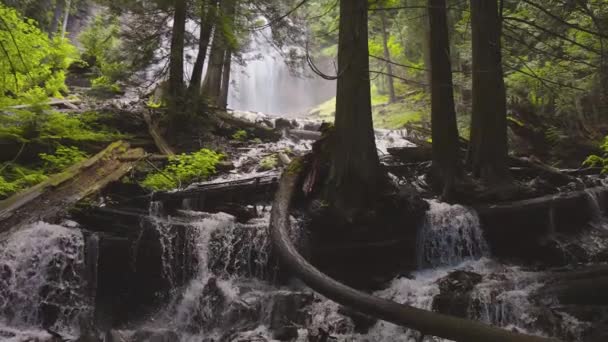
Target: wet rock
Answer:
[[209, 309], [154, 336], [362, 322], [455, 293], [286, 314], [282, 123]]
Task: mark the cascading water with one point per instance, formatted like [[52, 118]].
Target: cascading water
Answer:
[[450, 234], [266, 84], [42, 278]]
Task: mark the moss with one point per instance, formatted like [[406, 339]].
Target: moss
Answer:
[[269, 163], [240, 135], [296, 166], [183, 169]]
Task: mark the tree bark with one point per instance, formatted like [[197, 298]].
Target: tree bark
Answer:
[[355, 172], [66, 17], [208, 11], [387, 56], [176, 59], [489, 149], [443, 115], [223, 98]]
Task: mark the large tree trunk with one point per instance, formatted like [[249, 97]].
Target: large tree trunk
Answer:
[[223, 98], [176, 62], [443, 114], [208, 10], [54, 25], [213, 77], [489, 150], [355, 169], [387, 56]]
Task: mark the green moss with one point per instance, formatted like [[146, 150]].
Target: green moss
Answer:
[[63, 158], [240, 135], [295, 166], [269, 163], [183, 169]]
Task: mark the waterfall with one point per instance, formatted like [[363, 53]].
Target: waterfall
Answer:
[[266, 84], [42, 278], [595, 200], [450, 235]]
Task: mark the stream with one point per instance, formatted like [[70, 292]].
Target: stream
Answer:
[[215, 278]]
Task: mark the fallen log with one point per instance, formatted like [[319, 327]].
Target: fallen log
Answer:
[[160, 142], [52, 198], [70, 104], [208, 196], [304, 135], [427, 322], [412, 154]]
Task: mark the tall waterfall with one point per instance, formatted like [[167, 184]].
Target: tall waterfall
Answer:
[[266, 84]]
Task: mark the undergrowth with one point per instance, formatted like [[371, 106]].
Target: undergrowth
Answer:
[[183, 169]]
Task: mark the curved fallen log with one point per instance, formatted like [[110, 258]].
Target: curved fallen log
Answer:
[[427, 322]]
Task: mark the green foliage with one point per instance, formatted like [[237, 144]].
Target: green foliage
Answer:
[[183, 169], [31, 64], [62, 159], [269, 163], [14, 178], [599, 161], [240, 135], [102, 48], [30, 125]]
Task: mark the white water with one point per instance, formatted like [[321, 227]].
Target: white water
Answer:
[[450, 235], [266, 84], [41, 268]]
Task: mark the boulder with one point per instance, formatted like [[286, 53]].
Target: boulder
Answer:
[[286, 313], [455, 293]]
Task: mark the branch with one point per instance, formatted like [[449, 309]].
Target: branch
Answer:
[[273, 21], [405, 80], [397, 64], [574, 26], [574, 42]]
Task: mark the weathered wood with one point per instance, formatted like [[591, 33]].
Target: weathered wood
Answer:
[[412, 154], [304, 135], [544, 202], [551, 173], [70, 104], [53, 197], [239, 190], [585, 286], [159, 141], [427, 322]]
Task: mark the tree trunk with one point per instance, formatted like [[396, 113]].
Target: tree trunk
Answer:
[[223, 99], [443, 115], [66, 17], [387, 56], [176, 62], [207, 22], [355, 172], [489, 149], [59, 9]]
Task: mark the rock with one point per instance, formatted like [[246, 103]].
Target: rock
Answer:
[[455, 290], [361, 321], [154, 336], [286, 313], [282, 123]]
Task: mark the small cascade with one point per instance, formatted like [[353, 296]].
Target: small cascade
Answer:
[[595, 200], [42, 278], [450, 235]]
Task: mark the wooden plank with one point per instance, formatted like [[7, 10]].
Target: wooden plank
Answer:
[[52, 198]]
